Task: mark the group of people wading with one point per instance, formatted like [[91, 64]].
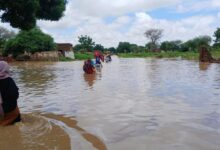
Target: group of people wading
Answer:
[[9, 92], [90, 66]]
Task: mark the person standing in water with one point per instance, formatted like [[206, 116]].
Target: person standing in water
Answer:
[[9, 111], [88, 67]]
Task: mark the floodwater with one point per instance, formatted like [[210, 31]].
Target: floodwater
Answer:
[[142, 104]]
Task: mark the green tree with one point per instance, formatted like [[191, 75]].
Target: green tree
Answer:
[[189, 45], [124, 47], [99, 47], [112, 50], [86, 42], [24, 13], [31, 41], [151, 46], [154, 35], [141, 49], [171, 45], [77, 47], [217, 38], [204, 40], [134, 48], [166, 46], [5, 34], [194, 44]]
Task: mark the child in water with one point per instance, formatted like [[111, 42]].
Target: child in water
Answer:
[[9, 112]]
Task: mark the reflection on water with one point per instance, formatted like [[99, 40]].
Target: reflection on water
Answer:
[[130, 104], [90, 79]]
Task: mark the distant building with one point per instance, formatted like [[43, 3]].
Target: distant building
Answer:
[[66, 50]]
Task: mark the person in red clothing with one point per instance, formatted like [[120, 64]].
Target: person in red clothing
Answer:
[[88, 67], [98, 55]]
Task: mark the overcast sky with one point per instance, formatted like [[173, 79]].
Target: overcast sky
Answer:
[[111, 21]]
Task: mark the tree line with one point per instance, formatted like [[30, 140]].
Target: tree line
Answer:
[[30, 41], [34, 40], [23, 14], [154, 35]]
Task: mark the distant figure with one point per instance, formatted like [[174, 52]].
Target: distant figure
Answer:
[[108, 58], [99, 58], [9, 111], [98, 63], [88, 67], [99, 55]]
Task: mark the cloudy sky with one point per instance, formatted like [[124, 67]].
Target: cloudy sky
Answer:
[[111, 21]]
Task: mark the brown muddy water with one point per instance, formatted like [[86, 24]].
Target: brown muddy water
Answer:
[[131, 104]]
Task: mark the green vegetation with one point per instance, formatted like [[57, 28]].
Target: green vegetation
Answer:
[[154, 35], [86, 43], [24, 13], [185, 55], [167, 49], [5, 35], [30, 41], [168, 54], [78, 56], [126, 47], [62, 58], [83, 56], [216, 54], [99, 47]]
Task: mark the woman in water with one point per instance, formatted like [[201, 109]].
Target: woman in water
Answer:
[[9, 112], [88, 67]]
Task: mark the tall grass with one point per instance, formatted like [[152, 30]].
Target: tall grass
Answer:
[[83, 56]]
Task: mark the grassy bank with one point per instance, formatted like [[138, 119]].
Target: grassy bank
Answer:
[[216, 54], [78, 56], [184, 55], [65, 59], [83, 56]]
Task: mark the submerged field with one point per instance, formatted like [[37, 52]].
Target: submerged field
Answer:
[[135, 103]]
